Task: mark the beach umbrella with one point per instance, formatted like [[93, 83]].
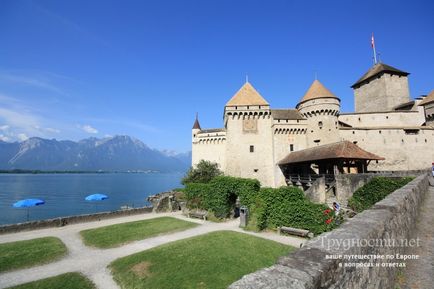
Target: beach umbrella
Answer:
[[96, 197], [27, 203]]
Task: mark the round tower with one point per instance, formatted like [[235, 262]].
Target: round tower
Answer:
[[196, 129], [321, 109]]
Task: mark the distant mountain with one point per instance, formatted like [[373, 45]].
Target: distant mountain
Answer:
[[118, 153]]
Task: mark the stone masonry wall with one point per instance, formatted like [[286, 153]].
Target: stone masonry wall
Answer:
[[308, 268], [63, 221]]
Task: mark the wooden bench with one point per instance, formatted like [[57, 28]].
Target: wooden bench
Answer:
[[198, 215], [295, 231]]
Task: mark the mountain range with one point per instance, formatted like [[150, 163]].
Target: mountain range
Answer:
[[118, 153]]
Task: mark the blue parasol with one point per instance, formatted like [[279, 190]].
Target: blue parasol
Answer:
[[27, 203], [96, 197]]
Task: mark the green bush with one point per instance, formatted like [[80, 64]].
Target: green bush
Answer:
[[219, 195], [287, 206], [375, 190]]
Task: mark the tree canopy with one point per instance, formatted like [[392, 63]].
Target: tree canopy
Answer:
[[204, 172]]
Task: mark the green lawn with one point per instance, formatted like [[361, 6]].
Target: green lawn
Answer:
[[64, 281], [21, 254], [116, 235], [214, 260]]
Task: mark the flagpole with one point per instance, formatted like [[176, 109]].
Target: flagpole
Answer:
[[373, 47]]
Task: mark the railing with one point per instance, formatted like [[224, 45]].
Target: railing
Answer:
[[308, 180]]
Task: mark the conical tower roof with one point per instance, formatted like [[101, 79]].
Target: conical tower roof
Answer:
[[428, 99], [317, 90], [196, 124], [247, 95]]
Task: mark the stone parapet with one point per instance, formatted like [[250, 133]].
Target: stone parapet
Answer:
[[309, 267], [63, 221]]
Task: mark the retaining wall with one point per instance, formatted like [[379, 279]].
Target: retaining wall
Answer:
[[347, 184], [63, 221], [309, 267]]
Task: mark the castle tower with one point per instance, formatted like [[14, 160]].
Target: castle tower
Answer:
[[195, 154], [382, 88], [249, 146], [196, 128], [321, 109]]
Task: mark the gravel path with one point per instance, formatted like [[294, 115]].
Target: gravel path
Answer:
[[419, 274], [93, 262]]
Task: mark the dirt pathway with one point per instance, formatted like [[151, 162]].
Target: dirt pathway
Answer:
[[93, 262]]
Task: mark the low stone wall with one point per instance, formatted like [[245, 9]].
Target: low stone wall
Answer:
[[63, 221], [347, 184], [317, 192], [308, 268]]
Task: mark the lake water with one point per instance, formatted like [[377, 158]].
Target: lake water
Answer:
[[64, 193]]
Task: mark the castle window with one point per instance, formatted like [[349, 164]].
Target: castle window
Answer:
[[255, 170], [355, 142], [317, 141], [252, 149], [259, 107], [320, 124], [247, 107], [411, 131], [291, 147]]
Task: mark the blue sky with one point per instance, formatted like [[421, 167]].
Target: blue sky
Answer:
[[76, 69]]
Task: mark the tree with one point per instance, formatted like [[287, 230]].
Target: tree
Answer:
[[204, 172]]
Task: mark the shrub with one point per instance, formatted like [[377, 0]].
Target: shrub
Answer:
[[375, 190], [219, 195], [204, 172], [287, 206]]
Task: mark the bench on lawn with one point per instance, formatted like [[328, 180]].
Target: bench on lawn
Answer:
[[295, 231], [199, 215]]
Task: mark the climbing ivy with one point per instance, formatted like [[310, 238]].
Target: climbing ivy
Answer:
[[375, 190]]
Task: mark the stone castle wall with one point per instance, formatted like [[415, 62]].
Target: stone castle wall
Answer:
[[309, 268], [403, 149], [381, 119], [210, 147], [286, 136], [245, 129], [382, 93]]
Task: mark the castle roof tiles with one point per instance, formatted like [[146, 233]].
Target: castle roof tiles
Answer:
[[376, 70], [289, 114], [317, 90], [338, 150], [428, 99], [247, 95]]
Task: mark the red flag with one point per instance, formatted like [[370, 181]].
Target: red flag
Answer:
[[372, 41]]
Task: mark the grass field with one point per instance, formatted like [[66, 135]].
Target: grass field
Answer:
[[116, 235], [64, 281], [22, 254], [211, 261]]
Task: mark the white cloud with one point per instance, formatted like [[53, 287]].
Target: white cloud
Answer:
[[4, 138], [52, 130], [89, 129], [4, 127], [22, 136]]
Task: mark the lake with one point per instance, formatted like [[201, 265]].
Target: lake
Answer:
[[64, 193]]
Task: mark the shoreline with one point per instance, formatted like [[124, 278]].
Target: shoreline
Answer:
[[69, 220]]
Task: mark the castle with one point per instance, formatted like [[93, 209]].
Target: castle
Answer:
[[387, 131]]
